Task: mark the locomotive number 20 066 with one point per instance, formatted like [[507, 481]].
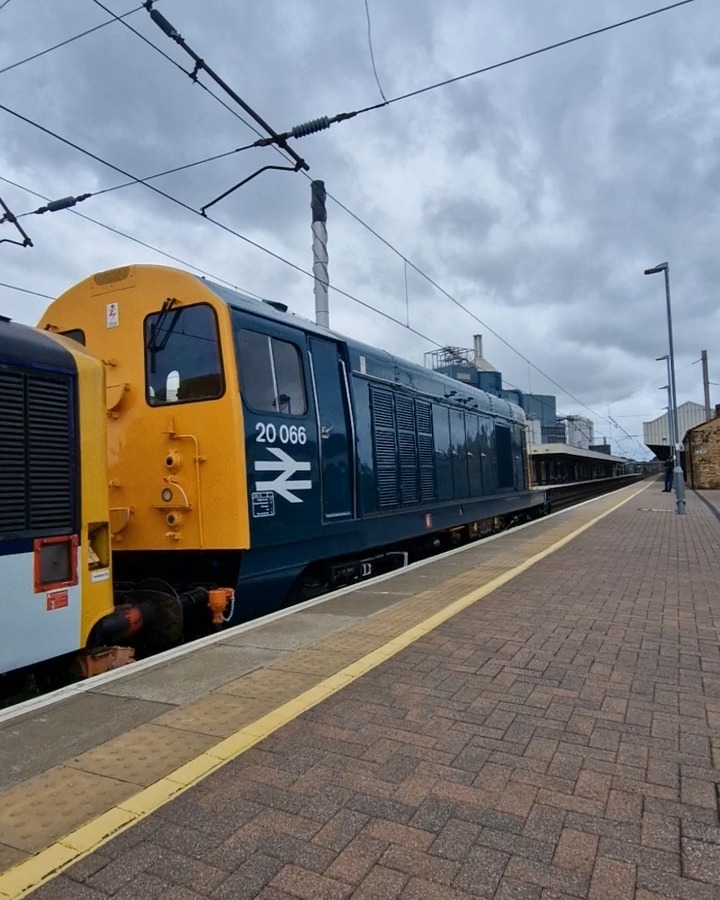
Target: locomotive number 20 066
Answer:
[[267, 433]]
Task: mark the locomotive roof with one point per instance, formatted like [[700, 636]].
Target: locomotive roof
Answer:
[[367, 361], [22, 345], [379, 364]]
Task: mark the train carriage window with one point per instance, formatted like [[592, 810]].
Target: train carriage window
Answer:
[[271, 374], [182, 355]]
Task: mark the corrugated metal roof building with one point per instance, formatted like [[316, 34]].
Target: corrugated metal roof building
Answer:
[[656, 434]]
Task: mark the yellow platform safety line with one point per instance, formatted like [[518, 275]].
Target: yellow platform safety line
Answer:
[[28, 875]]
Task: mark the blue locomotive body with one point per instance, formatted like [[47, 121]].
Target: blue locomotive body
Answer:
[[250, 447], [353, 453]]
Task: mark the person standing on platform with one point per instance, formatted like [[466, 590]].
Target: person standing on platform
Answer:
[[669, 466]]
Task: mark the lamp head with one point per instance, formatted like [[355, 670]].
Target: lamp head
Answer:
[[661, 267]]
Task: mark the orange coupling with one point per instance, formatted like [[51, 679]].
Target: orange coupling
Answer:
[[218, 599]]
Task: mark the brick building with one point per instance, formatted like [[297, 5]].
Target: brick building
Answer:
[[702, 454]]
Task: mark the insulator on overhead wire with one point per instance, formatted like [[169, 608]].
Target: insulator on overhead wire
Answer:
[[160, 20], [64, 203], [310, 127]]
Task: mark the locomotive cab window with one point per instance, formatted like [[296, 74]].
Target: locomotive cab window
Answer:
[[271, 374], [182, 355], [75, 334]]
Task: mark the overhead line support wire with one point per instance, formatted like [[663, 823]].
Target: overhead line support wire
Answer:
[[341, 117], [531, 53], [201, 65], [66, 202]]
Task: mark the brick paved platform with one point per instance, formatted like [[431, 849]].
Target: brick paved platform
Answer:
[[558, 739]]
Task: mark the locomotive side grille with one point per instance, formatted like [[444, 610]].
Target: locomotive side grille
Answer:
[[404, 450], [36, 480], [424, 417], [409, 487], [386, 467], [13, 470], [407, 443], [387, 485], [382, 409], [405, 413], [426, 451], [49, 454]]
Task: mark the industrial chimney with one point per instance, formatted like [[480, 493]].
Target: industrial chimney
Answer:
[[477, 342]]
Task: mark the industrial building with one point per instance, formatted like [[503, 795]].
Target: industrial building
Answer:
[[656, 434], [471, 367]]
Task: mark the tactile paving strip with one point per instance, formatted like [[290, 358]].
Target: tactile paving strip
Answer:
[[46, 807], [270, 684], [217, 714], [144, 755], [52, 804]]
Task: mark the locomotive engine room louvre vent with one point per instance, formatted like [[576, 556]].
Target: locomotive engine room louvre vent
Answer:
[[426, 450], [36, 491], [386, 467], [407, 447], [404, 451]]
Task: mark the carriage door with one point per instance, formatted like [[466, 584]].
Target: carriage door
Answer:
[[334, 431]]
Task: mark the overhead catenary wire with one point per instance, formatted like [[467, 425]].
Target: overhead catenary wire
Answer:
[[506, 62], [204, 87], [216, 222], [137, 240], [202, 66], [69, 40], [405, 96], [372, 54], [171, 32], [67, 202], [22, 290], [325, 121]]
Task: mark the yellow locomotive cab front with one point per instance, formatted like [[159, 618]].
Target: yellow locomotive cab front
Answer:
[[176, 458]]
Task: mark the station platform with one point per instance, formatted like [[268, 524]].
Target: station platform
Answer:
[[531, 717]]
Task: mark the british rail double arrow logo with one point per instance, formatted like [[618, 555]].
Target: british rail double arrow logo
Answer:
[[286, 467]]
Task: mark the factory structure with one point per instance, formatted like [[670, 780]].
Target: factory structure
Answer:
[[545, 426], [564, 446]]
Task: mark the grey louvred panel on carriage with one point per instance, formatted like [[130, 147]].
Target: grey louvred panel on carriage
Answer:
[[36, 458]]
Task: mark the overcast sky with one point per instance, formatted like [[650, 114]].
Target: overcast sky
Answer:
[[535, 194]]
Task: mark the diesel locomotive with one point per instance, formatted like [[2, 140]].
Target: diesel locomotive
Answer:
[[252, 448], [61, 611]]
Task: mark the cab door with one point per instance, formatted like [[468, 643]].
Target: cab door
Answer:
[[335, 438], [281, 443]]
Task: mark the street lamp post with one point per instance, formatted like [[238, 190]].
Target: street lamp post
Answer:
[[678, 478], [671, 417], [671, 436]]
